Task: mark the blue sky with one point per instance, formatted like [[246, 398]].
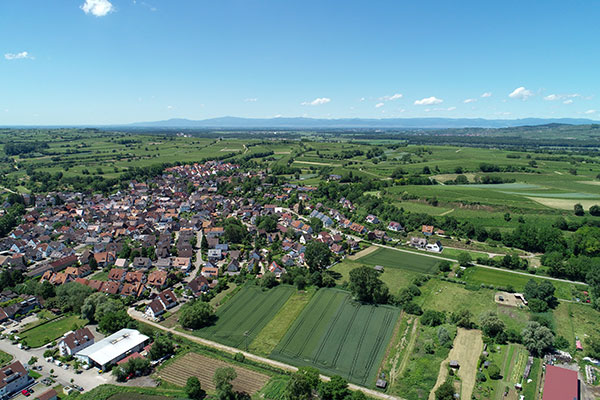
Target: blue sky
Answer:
[[120, 61]]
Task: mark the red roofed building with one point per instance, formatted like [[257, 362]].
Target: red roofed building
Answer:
[[560, 384]]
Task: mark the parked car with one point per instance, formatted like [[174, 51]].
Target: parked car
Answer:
[[25, 392]]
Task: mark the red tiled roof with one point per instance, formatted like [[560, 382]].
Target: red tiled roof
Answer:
[[560, 384]]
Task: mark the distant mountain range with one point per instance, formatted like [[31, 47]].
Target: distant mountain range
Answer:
[[355, 123]]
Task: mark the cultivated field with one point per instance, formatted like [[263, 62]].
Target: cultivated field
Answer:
[[466, 349], [245, 315], [339, 336], [204, 368], [389, 258]]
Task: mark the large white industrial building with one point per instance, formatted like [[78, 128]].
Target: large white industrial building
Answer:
[[113, 348]]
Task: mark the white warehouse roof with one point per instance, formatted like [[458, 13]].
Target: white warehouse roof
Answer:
[[113, 346]]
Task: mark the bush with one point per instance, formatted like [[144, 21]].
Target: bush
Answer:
[[239, 357], [494, 372]]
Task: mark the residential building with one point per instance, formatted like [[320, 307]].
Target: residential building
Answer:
[[113, 348], [75, 341]]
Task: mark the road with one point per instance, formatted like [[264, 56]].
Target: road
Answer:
[[140, 317], [87, 379]]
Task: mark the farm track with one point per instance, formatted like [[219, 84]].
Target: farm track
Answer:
[[276, 364], [378, 343], [343, 339], [307, 339]]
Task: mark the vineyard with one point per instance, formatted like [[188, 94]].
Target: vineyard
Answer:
[[245, 315], [204, 368], [339, 336]]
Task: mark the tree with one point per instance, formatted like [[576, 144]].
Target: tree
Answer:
[[444, 337], [462, 318], [366, 286], [491, 325], [445, 391], [298, 388], [595, 210], [317, 255], [222, 380], [114, 321], [578, 209], [433, 318], [335, 389], [445, 266], [316, 224], [464, 259], [193, 389], [71, 296], [161, 347], [593, 346], [196, 314], [543, 292], [268, 280], [235, 231], [537, 338], [494, 371]]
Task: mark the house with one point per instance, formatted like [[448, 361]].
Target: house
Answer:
[[163, 263], [73, 342], [561, 384], [209, 272], [113, 348], [434, 247], [117, 275], [214, 254], [372, 219], [418, 243], [48, 395], [276, 269], [132, 289], [233, 268], [427, 230], [157, 278], [161, 303], [182, 263], [141, 263], [395, 227], [110, 287], [198, 285], [135, 277], [13, 378], [104, 258]]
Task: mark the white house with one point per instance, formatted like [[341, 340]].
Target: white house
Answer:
[[74, 342], [434, 247], [13, 379]]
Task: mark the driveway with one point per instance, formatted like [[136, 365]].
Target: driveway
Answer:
[[87, 379]]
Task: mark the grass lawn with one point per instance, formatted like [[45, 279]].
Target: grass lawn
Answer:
[[478, 275], [395, 278], [100, 276], [574, 320], [220, 297], [45, 333], [243, 316], [339, 337], [447, 296], [5, 358], [399, 259], [271, 334]]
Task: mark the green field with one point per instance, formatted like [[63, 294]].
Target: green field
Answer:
[[399, 259], [45, 333], [393, 277], [498, 278], [241, 319], [4, 358], [339, 337]]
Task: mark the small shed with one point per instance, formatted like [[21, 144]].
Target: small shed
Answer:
[[578, 345], [378, 268], [454, 364], [381, 383]]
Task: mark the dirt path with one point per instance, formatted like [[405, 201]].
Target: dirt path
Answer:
[[232, 350], [363, 253], [466, 349], [317, 163], [409, 348], [446, 212]]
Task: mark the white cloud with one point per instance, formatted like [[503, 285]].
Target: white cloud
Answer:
[[169, 107], [98, 8], [569, 101], [552, 97], [590, 112], [316, 102], [18, 56], [251, 100], [451, 109], [362, 99], [428, 101], [395, 96], [486, 94], [521, 93], [379, 105], [467, 101]]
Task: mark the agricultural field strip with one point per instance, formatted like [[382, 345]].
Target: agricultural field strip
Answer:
[[333, 334], [189, 365], [277, 364], [484, 266]]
